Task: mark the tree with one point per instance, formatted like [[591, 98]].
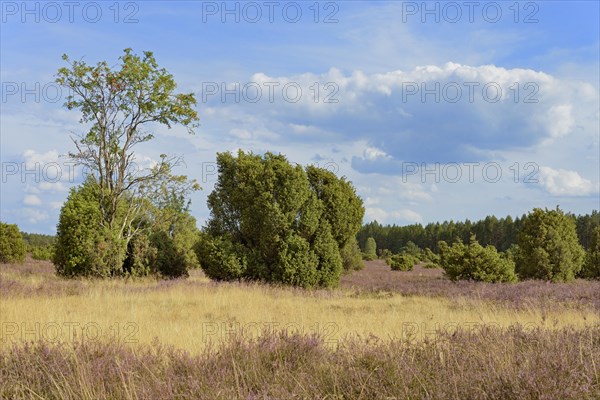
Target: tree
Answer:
[[475, 262], [12, 247], [370, 253], [591, 266], [548, 247], [271, 222], [118, 105]]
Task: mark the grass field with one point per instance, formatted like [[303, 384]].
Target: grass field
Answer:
[[375, 311]]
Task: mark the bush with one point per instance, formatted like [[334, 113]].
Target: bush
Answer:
[[370, 252], [429, 256], [275, 222], [548, 247], [412, 249], [45, 253], [351, 256], [385, 254], [12, 247], [402, 262], [591, 266], [474, 262], [85, 247]]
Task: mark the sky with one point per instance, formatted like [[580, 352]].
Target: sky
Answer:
[[433, 110]]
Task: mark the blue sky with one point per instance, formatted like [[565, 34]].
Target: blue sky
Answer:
[[435, 111]]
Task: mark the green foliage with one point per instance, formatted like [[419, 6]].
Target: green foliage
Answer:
[[412, 249], [275, 222], [45, 253], [370, 252], [12, 247], [38, 240], [351, 256], [402, 262], [548, 247], [429, 256], [475, 262], [591, 266], [85, 247], [125, 219], [499, 232]]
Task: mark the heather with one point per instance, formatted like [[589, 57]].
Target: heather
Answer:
[[489, 363]]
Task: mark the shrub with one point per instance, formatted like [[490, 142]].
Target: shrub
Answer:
[[429, 256], [474, 262], [45, 253], [370, 252], [85, 247], [351, 256], [385, 254], [412, 249], [12, 247], [591, 266], [401, 262], [275, 222], [548, 247]]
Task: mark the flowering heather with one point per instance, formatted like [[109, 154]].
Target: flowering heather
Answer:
[[490, 363], [378, 277]]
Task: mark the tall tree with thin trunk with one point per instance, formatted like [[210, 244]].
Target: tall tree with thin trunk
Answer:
[[119, 106]]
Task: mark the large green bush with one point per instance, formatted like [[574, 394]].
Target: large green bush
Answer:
[[548, 247], [275, 222], [475, 262], [84, 246], [12, 247], [591, 265]]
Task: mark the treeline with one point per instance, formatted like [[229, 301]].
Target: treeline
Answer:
[[500, 233]]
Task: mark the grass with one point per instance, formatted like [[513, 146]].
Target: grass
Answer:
[[190, 314], [382, 335]]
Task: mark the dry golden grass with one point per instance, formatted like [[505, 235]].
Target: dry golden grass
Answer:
[[189, 314]]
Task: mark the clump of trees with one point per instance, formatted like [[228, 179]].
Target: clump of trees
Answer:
[[275, 222], [475, 262], [498, 232], [12, 247], [548, 247], [123, 218]]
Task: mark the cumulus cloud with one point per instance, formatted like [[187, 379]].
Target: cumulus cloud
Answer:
[[396, 216], [432, 113], [32, 200], [561, 182]]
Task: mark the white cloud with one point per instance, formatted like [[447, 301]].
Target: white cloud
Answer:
[[396, 216], [560, 182], [372, 153], [34, 216], [32, 200]]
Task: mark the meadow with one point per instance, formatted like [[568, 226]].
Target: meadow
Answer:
[[382, 334]]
